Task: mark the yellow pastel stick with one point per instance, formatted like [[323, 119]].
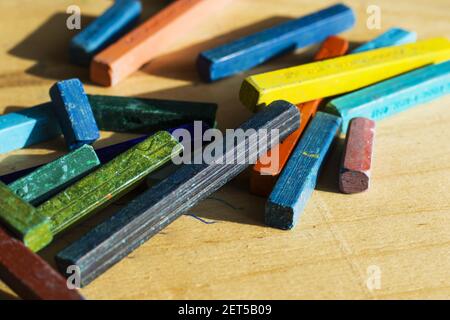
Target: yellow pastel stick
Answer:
[[335, 76]]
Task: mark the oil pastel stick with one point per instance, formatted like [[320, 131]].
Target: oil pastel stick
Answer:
[[149, 40], [120, 18], [266, 171], [298, 179], [109, 182], [26, 127], [146, 215], [74, 113], [28, 275], [139, 115], [392, 37], [250, 51], [23, 220], [51, 178], [340, 75], [395, 95], [354, 173]]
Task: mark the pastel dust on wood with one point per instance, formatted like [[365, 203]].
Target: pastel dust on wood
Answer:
[[28, 126], [51, 178], [298, 179], [109, 182], [340, 75], [159, 206], [120, 18], [74, 113], [395, 95], [28, 275], [125, 114], [149, 40], [267, 169], [392, 37], [23, 220], [354, 174], [250, 51]]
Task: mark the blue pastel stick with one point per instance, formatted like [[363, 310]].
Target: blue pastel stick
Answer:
[[27, 127], [120, 18], [298, 179], [395, 95], [74, 113], [255, 49], [392, 37], [104, 154]]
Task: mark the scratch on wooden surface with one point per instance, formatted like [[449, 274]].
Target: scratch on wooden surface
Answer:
[[200, 219], [343, 246]]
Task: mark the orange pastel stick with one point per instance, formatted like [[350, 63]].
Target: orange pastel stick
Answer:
[[148, 40], [265, 172]]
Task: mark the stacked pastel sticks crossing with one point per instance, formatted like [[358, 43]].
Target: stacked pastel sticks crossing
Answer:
[[340, 94]]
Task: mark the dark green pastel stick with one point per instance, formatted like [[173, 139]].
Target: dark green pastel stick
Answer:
[[125, 114], [23, 220], [109, 182], [51, 178]]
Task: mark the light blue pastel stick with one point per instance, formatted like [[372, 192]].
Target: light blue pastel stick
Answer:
[[27, 127], [395, 95], [298, 179], [392, 37], [120, 18]]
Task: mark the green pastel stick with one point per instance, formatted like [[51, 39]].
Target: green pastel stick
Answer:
[[51, 178], [109, 182], [23, 220]]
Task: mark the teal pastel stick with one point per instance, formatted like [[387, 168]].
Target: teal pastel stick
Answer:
[[298, 179], [27, 127], [55, 176], [395, 95], [392, 37]]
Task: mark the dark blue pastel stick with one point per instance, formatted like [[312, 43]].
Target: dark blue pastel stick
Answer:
[[255, 49], [104, 154], [120, 18], [74, 113], [298, 179]]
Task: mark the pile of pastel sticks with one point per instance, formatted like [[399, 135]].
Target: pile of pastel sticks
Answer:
[[339, 94]]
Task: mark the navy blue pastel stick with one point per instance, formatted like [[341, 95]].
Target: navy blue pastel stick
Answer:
[[255, 49], [74, 113], [104, 154], [298, 179], [120, 18], [147, 214]]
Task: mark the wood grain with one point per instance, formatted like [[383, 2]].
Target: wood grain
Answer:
[[401, 226]]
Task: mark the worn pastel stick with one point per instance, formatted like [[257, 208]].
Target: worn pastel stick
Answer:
[[104, 154], [354, 173], [74, 113], [116, 237], [26, 127], [120, 18], [109, 182], [51, 178], [340, 75], [250, 51], [266, 171], [298, 179], [392, 37], [125, 114], [28, 275], [395, 95], [23, 220], [149, 40]]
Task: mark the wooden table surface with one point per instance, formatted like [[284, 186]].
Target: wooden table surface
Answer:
[[399, 232]]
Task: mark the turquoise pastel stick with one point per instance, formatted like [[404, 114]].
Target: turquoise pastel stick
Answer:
[[392, 37], [26, 127], [395, 95]]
